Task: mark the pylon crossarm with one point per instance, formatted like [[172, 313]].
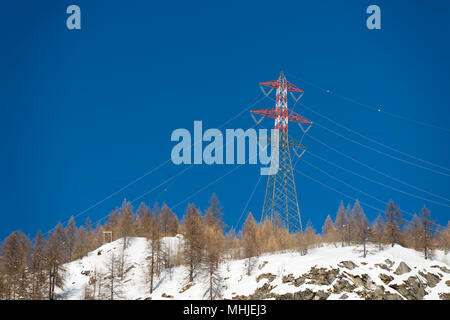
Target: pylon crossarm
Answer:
[[274, 113]]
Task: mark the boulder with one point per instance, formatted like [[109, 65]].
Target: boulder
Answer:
[[411, 289], [432, 279], [402, 269], [268, 276], [385, 278], [347, 264]]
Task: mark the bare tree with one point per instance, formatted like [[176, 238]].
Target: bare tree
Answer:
[[340, 222], [193, 240], [393, 222], [250, 241], [214, 247], [427, 228]]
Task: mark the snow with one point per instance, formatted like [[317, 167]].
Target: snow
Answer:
[[236, 281]]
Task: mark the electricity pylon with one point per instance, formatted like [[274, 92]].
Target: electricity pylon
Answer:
[[281, 201]]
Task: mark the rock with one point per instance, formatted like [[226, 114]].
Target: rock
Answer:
[[164, 295], [443, 268], [131, 267], [268, 276], [99, 253], [389, 263], [321, 295], [288, 278], [86, 273], [385, 278], [347, 264], [320, 276], [411, 289], [262, 264], [402, 269], [444, 296], [363, 280], [343, 297], [187, 287], [382, 266], [432, 279], [447, 283], [148, 298], [343, 285], [300, 295]]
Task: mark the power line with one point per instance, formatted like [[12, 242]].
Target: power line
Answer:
[[373, 169], [374, 181], [159, 166], [380, 152], [348, 185], [337, 191], [369, 107], [372, 140], [248, 202]]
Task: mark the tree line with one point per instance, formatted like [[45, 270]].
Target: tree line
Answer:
[[34, 269]]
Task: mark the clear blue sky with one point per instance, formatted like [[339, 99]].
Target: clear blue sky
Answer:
[[85, 112]]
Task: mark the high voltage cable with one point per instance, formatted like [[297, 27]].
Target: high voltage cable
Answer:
[[159, 166], [182, 172], [337, 191], [372, 108], [348, 185], [374, 181], [371, 139], [373, 169], [248, 202], [380, 152]]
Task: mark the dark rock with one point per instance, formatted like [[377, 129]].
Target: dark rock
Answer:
[[443, 268], [268, 276], [432, 279], [402, 269], [347, 264], [382, 266], [411, 289], [444, 296], [385, 278]]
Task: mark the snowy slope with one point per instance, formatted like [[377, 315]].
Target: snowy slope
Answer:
[[328, 272]]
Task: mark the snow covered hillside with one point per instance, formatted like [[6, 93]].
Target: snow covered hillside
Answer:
[[328, 272]]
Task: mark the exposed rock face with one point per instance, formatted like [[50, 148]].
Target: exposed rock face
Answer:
[[432, 279], [337, 281], [385, 278], [402, 269], [347, 264], [442, 268], [444, 296], [268, 276], [411, 289], [295, 281]]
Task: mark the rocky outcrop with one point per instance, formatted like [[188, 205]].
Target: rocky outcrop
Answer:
[[385, 278], [344, 281], [268, 276], [411, 289], [431, 279], [402, 269], [347, 264]]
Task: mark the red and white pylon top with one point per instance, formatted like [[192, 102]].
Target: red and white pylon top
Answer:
[[281, 113]]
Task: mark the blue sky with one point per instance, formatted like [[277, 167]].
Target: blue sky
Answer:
[[85, 112]]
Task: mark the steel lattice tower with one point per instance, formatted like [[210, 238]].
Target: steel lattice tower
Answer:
[[281, 201]]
